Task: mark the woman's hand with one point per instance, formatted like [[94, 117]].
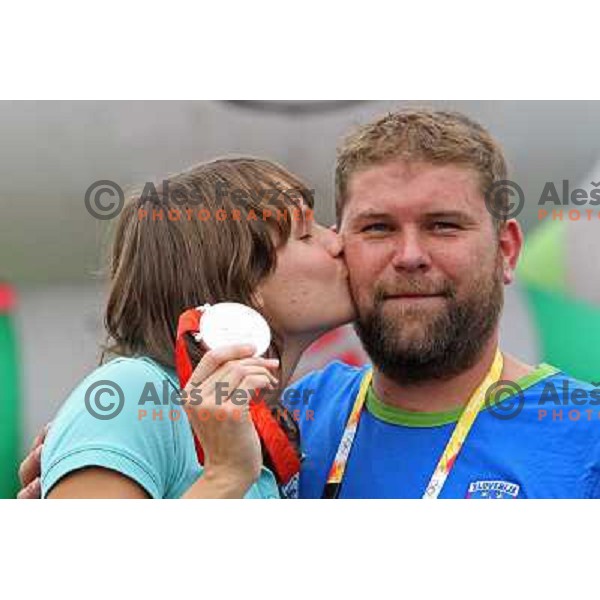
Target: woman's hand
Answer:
[[221, 420], [31, 469]]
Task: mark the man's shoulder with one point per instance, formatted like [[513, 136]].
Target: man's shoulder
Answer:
[[557, 424], [546, 386], [562, 410], [548, 381], [334, 370], [325, 390]]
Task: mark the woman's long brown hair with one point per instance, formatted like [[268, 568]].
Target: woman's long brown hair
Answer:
[[161, 266]]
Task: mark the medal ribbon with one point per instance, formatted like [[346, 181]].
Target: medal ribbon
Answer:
[[450, 453]]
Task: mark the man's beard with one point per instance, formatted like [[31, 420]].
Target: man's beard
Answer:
[[449, 343]]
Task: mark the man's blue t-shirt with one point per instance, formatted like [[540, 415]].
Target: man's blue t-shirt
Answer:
[[550, 448]]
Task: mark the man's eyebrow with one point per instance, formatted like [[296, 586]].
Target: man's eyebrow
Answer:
[[449, 214], [369, 214]]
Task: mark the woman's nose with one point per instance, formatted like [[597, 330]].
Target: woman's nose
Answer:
[[334, 242]]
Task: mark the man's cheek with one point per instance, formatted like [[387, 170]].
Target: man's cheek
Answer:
[[363, 298], [362, 262]]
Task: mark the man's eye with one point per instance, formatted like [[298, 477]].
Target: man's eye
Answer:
[[375, 227], [444, 225], [306, 237]]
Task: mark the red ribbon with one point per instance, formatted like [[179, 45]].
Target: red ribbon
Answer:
[[283, 456]]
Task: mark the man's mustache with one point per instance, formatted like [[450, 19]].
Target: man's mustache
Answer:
[[413, 287]]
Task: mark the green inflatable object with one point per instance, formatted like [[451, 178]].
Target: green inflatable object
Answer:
[[569, 331], [567, 327], [9, 397], [542, 262]]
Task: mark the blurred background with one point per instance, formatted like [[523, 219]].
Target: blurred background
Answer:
[[52, 251]]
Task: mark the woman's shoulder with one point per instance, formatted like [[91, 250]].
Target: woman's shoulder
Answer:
[[132, 369], [122, 416], [131, 378]]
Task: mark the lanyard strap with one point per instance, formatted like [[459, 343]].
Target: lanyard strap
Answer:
[[450, 453]]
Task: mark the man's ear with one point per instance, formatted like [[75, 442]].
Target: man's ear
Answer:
[[510, 240], [334, 228]]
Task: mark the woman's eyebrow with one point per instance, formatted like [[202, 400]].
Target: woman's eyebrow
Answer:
[[307, 221], [303, 225]]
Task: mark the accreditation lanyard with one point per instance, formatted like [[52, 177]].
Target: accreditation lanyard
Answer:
[[448, 457]]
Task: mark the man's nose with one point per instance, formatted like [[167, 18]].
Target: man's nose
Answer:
[[410, 254]]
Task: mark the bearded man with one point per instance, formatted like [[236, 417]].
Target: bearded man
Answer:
[[421, 203]]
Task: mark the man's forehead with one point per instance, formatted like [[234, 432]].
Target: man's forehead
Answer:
[[411, 185]]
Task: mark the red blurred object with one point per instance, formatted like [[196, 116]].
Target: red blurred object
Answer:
[[8, 298]]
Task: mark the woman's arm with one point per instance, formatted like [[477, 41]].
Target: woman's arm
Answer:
[[232, 450], [218, 484], [31, 468], [99, 483], [96, 482], [91, 482]]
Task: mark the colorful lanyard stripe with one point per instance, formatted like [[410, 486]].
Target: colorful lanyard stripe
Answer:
[[450, 453]]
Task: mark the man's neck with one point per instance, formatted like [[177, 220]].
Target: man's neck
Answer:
[[445, 395]]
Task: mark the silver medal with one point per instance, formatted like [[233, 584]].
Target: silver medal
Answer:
[[228, 323]]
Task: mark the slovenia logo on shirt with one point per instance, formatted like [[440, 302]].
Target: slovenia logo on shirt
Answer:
[[492, 490]]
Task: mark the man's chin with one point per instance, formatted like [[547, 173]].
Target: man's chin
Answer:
[[421, 314], [411, 346], [415, 303]]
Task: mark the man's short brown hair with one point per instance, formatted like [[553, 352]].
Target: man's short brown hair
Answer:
[[437, 137]]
